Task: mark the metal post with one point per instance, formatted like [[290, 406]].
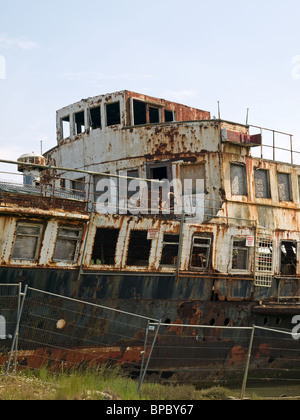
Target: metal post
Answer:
[[16, 344], [17, 329], [274, 146], [292, 158], [149, 357], [243, 391], [145, 348]]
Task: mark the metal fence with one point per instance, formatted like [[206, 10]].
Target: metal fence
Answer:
[[40, 330]]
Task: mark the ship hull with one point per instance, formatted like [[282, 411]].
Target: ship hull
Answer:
[[181, 354]]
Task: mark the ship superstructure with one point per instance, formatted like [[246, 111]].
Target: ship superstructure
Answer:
[[158, 208]]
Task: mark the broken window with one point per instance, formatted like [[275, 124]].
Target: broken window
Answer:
[[67, 244], [105, 245], [139, 112], [284, 187], [65, 127], [113, 114], [78, 187], [170, 250], [27, 242], [262, 183], [139, 248], [240, 254], [95, 118], [200, 253], [169, 116], [154, 115], [79, 123], [288, 258], [238, 179]]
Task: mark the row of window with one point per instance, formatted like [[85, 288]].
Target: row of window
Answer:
[[28, 240], [143, 113], [262, 183]]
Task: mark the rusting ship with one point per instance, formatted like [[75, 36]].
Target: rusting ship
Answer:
[[234, 262]]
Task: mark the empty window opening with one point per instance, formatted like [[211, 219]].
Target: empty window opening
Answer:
[[79, 123], [65, 127], [113, 114], [153, 115], [288, 258], [200, 253], [169, 116], [140, 112], [159, 173], [284, 187], [95, 118], [170, 250], [139, 248], [240, 254], [262, 183], [67, 245], [105, 245], [78, 187], [27, 242], [238, 179]]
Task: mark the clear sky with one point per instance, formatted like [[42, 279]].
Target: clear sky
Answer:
[[54, 53]]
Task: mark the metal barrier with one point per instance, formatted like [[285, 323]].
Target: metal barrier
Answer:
[[61, 334], [10, 300], [231, 356]]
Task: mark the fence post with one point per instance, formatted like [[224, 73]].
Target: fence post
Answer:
[[247, 364], [149, 357], [16, 335], [145, 348]]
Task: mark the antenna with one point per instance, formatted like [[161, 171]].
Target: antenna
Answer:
[[219, 112], [41, 147], [247, 116]]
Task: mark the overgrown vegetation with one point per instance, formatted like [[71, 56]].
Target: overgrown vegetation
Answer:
[[97, 384]]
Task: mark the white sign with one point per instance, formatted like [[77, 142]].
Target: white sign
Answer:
[[250, 241], [152, 233]]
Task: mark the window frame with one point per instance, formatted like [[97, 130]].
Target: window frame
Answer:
[[243, 248], [290, 188], [268, 186], [77, 247], [245, 187], [167, 243], [38, 243], [209, 253], [149, 245], [114, 242], [106, 114]]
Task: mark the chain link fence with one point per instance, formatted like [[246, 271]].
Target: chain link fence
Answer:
[[40, 330]]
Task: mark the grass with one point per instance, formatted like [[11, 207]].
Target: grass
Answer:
[[97, 384]]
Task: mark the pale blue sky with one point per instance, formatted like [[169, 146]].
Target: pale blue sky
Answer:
[[194, 52]]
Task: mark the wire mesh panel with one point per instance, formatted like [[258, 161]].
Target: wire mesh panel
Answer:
[[263, 259], [9, 306], [201, 355], [275, 363], [60, 333]]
